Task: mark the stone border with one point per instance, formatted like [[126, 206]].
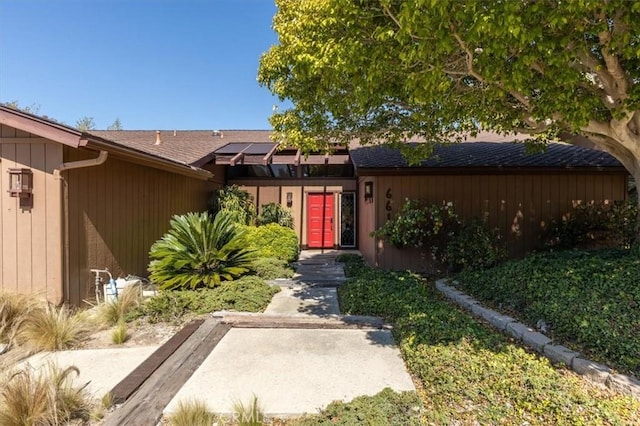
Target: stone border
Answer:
[[557, 354]]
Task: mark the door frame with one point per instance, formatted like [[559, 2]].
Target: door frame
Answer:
[[333, 219]]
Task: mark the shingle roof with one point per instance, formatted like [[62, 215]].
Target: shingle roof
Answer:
[[486, 154], [191, 147]]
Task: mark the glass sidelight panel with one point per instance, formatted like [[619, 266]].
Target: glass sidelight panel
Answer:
[[348, 219]]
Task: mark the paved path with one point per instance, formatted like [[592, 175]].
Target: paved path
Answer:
[[292, 370]]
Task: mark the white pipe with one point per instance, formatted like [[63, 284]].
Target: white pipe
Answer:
[[100, 159]]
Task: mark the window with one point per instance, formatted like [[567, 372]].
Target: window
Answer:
[[348, 219]]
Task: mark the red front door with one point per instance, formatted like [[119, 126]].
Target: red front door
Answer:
[[320, 220]]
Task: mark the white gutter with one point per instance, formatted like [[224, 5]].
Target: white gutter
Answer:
[[100, 159], [64, 205]]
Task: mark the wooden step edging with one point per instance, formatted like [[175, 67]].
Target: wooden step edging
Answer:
[[145, 405], [127, 386], [301, 321]]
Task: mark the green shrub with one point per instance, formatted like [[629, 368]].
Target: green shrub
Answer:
[[590, 299], [592, 224], [420, 226], [467, 373], [385, 408], [270, 268], [473, 247], [273, 240], [199, 252], [234, 201], [438, 230], [249, 293], [275, 213]]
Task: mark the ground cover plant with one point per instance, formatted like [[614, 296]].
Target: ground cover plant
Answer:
[[589, 299], [467, 373], [385, 408], [249, 293]]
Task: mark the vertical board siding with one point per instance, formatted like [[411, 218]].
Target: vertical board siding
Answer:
[[116, 212], [365, 222], [30, 237], [520, 206], [266, 191]]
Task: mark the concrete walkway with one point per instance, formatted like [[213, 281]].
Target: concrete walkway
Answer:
[[297, 357], [298, 370]]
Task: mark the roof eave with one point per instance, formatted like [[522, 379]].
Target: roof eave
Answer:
[[148, 159], [42, 127], [489, 170]]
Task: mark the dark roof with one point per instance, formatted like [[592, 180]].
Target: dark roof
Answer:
[[486, 155], [193, 147]]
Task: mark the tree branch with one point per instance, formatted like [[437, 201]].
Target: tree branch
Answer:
[[472, 72], [611, 61]]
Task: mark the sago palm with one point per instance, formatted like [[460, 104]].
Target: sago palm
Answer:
[[199, 252]]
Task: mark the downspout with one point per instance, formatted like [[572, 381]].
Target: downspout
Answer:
[[100, 159]]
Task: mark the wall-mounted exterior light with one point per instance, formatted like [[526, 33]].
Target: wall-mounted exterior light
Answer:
[[289, 199], [368, 191], [20, 183]]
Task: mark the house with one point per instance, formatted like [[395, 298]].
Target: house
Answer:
[[80, 201], [519, 193], [99, 199]]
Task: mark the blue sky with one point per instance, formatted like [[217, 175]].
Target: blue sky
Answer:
[[155, 64]]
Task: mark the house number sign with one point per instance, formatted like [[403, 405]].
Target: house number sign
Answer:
[[388, 207]]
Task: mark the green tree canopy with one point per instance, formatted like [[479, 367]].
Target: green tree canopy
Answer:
[[85, 123], [386, 70]]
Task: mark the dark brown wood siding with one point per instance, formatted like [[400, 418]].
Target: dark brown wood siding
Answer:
[[116, 211], [520, 205]]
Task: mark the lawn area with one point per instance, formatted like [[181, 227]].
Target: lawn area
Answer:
[[468, 373]]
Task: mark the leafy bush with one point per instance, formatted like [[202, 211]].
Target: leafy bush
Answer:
[[590, 299], [270, 268], [234, 201], [469, 374], [199, 252], [273, 240], [606, 223], [248, 293], [439, 230], [275, 213], [474, 247], [385, 408]]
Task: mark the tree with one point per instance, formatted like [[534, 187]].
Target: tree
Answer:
[[85, 123], [386, 70], [31, 109], [116, 125]]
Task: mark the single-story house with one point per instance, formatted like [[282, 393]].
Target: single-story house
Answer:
[[75, 201]]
